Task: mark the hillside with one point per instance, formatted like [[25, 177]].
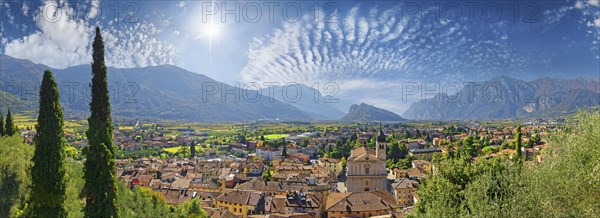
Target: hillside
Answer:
[[306, 99], [160, 92], [365, 112], [505, 97]]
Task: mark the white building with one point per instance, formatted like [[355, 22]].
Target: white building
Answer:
[[365, 169]]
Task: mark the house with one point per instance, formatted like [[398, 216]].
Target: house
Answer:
[[360, 204], [423, 154], [405, 190], [254, 168], [235, 201], [208, 185], [256, 203], [180, 183], [176, 196], [268, 153], [331, 164], [423, 165], [407, 173], [282, 188], [302, 203], [436, 142], [299, 156], [413, 144]]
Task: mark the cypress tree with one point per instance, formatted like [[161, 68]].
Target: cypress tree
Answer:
[[9, 125], [284, 150], [2, 132], [100, 181], [193, 149], [518, 143], [48, 171]]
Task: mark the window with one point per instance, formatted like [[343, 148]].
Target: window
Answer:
[[366, 171]]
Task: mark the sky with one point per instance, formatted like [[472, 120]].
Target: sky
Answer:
[[358, 51]]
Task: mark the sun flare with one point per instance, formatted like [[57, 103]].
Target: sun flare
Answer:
[[212, 31]]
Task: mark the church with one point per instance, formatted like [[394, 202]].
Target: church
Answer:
[[365, 169]]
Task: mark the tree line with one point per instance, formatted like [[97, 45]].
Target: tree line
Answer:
[[8, 127]]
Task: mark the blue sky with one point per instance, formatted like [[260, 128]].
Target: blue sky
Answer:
[[369, 49]]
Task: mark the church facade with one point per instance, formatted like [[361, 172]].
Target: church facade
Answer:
[[365, 169]]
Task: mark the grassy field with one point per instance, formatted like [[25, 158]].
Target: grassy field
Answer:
[[276, 136], [172, 149], [125, 127], [23, 121], [176, 149]]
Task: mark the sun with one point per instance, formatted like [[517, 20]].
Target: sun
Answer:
[[211, 30]]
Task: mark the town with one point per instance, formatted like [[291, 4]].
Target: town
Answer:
[[297, 169]]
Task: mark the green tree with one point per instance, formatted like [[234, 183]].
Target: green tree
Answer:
[[184, 151], [141, 202], [242, 139], [2, 132], [100, 180], [48, 171], [518, 143], [191, 209], [565, 184], [193, 149], [284, 149], [15, 163], [9, 126], [266, 175], [344, 162], [396, 151]]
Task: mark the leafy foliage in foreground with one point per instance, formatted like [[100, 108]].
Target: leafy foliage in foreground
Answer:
[[15, 180], [15, 184], [565, 184]]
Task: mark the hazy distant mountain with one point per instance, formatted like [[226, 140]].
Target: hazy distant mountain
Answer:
[[162, 92], [306, 99], [505, 97], [365, 112]]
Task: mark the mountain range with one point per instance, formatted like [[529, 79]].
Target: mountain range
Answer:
[[505, 97], [172, 93], [162, 92], [305, 98], [365, 113]]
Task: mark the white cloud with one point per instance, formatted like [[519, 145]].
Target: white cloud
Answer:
[[181, 4], [367, 53], [62, 41], [94, 10], [25, 8], [595, 3]]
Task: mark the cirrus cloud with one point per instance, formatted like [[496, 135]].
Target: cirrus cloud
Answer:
[[374, 52]]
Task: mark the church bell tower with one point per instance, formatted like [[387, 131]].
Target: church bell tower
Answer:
[[381, 145]]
